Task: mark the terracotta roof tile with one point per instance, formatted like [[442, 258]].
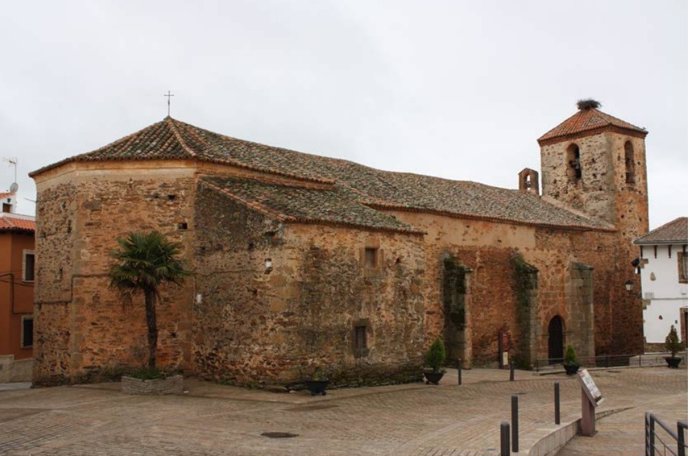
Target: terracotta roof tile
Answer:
[[8, 222], [358, 185], [338, 205], [585, 120], [673, 232]]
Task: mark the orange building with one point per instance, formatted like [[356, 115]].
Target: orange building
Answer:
[[17, 267]]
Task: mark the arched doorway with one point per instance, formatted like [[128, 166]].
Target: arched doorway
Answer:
[[556, 336]]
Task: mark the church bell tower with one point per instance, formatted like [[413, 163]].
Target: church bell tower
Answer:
[[595, 163]]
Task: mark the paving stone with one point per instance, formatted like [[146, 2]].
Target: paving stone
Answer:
[[445, 420]]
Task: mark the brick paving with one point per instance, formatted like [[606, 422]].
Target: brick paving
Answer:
[[395, 420], [623, 433]]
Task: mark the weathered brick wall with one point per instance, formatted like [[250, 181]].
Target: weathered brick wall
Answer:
[[563, 290], [276, 326], [603, 191], [618, 312], [254, 325], [82, 326]]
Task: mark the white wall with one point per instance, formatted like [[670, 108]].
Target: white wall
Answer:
[[664, 294]]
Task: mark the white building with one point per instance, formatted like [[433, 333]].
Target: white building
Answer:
[[664, 273]]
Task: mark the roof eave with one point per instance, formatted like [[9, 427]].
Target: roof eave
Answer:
[[489, 219], [661, 242], [545, 140]]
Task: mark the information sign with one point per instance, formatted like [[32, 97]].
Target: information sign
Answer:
[[590, 388]]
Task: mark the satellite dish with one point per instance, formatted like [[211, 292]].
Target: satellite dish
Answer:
[[14, 187]]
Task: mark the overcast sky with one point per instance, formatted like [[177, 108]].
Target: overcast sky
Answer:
[[458, 89]]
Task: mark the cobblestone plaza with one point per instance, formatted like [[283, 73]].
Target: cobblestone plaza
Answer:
[[413, 419]]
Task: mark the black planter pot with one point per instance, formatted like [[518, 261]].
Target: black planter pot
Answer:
[[317, 387], [571, 369], [433, 377], [673, 361]]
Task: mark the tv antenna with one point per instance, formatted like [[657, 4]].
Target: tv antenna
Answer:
[[13, 161]]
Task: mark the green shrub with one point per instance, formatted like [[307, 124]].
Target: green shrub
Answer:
[[319, 375], [673, 343], [436, 355], [148, 373], [570, 357]]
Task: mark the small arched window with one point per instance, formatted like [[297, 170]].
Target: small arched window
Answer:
[[573, 170], [629, 163]]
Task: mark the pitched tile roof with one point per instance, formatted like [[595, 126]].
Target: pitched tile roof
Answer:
[[673, 232], [171, 139], [355, 183], [586, 120], [11, 222], [337, 205]]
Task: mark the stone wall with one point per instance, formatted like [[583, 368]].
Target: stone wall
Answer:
[[15, 370], [605, 193], [270, 302], [159, 386], [602, 191], [565, 288], [82, 326], [278, 324]]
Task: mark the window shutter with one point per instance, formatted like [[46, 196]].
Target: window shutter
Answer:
[[683, 267]]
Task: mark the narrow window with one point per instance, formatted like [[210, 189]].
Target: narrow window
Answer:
[[6, 207], [682, 267], [28, 266], [629, 163], [27, 335], [360, 340], [574, 170], [370, 257]]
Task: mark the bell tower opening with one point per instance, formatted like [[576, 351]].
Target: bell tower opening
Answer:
[[629, 163], [574, 168]]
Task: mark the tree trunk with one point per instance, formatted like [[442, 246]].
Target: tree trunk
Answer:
[[150, 301]]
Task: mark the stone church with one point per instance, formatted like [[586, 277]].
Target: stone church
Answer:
[[302, 261]]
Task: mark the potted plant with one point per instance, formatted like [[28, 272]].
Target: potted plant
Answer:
[[317, 382], [434, 359], [673, 345], [570, 362]]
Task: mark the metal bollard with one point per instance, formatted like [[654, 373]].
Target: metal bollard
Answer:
[[514, 422], [681, 437], [557, 402], [505, 439], [512, 371], [459, 371]]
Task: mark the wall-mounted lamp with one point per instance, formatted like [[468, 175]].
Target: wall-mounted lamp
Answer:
[[628, 285], [268, 265]]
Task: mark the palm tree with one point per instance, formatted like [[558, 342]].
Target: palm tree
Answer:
[[144, 261]]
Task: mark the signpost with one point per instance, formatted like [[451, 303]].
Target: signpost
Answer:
[[591, 397]]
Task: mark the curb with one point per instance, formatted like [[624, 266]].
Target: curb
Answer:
[[549, 441]]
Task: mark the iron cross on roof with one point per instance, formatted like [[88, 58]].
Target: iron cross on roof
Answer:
[[168, 95]]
